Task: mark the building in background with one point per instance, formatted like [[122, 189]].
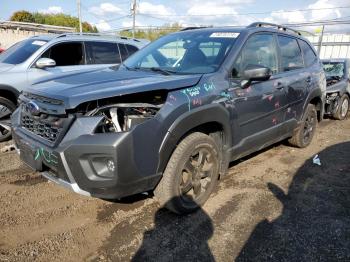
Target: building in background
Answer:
[[13, 32]]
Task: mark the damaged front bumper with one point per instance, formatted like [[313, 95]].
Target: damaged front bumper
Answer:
[[110, 165], [332, 103]]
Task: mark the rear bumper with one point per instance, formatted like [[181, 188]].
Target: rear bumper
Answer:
[[80, 161]]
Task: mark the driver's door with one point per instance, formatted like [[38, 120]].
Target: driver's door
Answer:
[[260, 107]]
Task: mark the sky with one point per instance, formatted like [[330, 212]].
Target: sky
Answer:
[[115, 14]]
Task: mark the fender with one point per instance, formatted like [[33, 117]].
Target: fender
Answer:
[[190, 120]]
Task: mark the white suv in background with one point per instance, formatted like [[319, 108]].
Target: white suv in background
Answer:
[[50, 55]]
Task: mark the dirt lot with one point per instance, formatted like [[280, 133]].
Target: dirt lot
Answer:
[[276, 205]]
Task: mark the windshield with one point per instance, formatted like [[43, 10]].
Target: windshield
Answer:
[[187, 52], [334, 69], [20, 52]]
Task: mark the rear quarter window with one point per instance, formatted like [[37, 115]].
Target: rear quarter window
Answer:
[[123, 51], [291, 57], [131, 49], [309, 56]]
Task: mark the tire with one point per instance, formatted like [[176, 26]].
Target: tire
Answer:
[[303, 135], [6, 109], [191, 174], [343, 108]]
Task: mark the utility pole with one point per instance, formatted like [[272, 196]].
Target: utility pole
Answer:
[[320, 42], [79, 15], [133, 10]]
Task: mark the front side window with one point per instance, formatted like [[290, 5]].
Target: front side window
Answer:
[[334, 70], [188, 52], [291, 58], [259, 50], [21, 51], [309, 55], [102, 53], [66, 54]]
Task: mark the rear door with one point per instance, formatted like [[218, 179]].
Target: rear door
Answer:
[[295, 78], [260, 108]]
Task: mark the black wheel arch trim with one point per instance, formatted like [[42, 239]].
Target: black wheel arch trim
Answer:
[[10, 89], [315, 93], [189, 121]]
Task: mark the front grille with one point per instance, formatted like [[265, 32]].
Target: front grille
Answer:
[[45, 130]]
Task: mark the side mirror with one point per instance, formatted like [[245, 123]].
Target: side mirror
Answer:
[[256, 73], [45, 62]]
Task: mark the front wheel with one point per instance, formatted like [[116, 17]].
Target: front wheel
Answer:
[[6, 109], [302, 137], [343, 108], [191, 174]]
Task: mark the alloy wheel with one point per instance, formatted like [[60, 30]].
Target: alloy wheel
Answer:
[[309, 127], [197, 174], [5, 122], [344, 108]]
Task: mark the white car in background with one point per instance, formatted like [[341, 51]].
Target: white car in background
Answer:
[[51, 55]]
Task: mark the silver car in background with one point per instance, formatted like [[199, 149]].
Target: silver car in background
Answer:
[[51, 55]]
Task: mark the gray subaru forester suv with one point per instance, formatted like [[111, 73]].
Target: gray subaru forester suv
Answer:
[[173, 115], [54, 55]]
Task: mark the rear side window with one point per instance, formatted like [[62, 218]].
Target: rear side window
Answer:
[[259, 50], [131, 49], [291, 58], [66, 54], [309, 55], [102, 53]]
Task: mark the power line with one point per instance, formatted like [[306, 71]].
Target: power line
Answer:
[[251, 13], [158, 18], [310, 23]]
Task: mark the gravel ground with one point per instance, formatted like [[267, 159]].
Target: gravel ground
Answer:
[[275, 205]]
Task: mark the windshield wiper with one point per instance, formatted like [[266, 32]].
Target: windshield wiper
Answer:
[[154, 69], [164, 71]]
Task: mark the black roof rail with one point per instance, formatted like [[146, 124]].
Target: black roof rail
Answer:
[[98, 34], [193, 27], [279, 27]]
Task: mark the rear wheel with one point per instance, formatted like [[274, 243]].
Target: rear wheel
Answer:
[[343, 108], [303, 135], [6, 109], [191, 174]]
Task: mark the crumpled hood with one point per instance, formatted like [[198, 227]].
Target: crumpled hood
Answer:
[[340, 86], [5, 67], [83, 86]]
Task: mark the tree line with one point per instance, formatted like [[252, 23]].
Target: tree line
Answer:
[[153, 33], [71, 21], [52, 19]]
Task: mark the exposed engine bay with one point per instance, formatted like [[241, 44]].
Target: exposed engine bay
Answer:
[[122, 117], [120, 114]]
